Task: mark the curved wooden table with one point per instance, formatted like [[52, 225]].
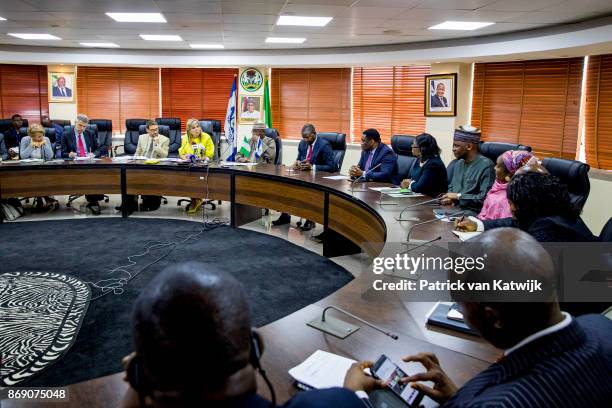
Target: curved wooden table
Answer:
[[359, 218]]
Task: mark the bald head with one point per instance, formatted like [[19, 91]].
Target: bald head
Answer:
[[506, 317], [192, 328]]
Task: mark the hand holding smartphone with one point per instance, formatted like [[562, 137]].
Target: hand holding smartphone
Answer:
[[386, 370]]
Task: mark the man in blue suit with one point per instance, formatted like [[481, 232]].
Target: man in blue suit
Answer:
[[550, 359], [194, 346], [61, 90], [313, 154], [377, 159]]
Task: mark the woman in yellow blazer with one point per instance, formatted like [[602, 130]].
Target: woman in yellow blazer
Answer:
[[195, 137]]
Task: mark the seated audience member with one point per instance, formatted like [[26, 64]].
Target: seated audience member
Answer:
[[496, 203], [12, 138], [550, 358], [153, 146], [313, 154], [377, 161], [194, 346], [80, 142], [59, 133], [196, 144], [540, 205], [37, 146], [3, 152], [473, 175], [429, 176], [262, 147]]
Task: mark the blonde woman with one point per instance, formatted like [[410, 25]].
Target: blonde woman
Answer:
[[199, 145], [37, 146]]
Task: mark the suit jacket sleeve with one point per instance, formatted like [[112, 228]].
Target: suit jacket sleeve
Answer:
[[302, 149], [3, 151], [498, 223], [140, 148], [426, 178], [269, 150], [327, 161], [329, 397], [384, 173], [65, 147]]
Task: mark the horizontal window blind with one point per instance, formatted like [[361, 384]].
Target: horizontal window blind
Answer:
[[389, 99], [534, 103], [23, 90], [317, 96], [118, 93], [200, 93], [598, 112]]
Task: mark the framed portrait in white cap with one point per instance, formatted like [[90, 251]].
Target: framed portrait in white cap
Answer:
[[441, 95]]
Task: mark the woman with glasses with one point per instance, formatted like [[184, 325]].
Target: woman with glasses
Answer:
[[429, 175]]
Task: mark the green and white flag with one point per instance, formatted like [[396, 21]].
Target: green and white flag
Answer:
[[245, 147]]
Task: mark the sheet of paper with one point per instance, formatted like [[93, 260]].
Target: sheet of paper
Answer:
[[386, 189], [464, 236], [172, 159], [226, 163], [322, 370], [30, 160], [85, 158], [404, 195], [338, 177]]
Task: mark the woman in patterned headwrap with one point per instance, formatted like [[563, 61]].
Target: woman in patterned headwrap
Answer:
[[496, 203]]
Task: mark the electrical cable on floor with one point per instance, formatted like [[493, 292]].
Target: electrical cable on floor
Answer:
[[116, 285]]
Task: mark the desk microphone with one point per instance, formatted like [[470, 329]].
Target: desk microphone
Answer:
[[427, 222], [360, 177], [338, 328], [435, 200]]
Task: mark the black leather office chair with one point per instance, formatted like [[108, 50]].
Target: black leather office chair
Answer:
[[338, 145], [273, 133], [61, 122], [492, 150], [130, 142], [174, 124], [216, 135], [402, 146], [163, 130], [105, 133], [606, 232], [574, 174]]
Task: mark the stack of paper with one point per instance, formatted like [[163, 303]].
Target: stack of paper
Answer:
[[464, 236], [322, 370]]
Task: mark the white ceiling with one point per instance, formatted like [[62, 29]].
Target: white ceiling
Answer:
[[245, 24]]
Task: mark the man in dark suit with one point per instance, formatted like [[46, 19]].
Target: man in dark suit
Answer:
[[60, 89], [550, 359], [313, 154], [194, 346], [438, 100], [81, 142], [377, 160], [12, 137]]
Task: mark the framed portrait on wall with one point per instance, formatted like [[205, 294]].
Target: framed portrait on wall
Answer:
[[441, 95], [62, 86], [251, 108]]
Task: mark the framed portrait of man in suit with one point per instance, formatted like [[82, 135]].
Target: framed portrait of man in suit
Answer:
[[62, 86], [441, 95]]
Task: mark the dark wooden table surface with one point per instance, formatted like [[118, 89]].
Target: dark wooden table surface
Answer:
[[358, 216]]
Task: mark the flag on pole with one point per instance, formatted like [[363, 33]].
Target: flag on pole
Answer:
[[267, 110], [259, 149], [245, 147], [230, 122]]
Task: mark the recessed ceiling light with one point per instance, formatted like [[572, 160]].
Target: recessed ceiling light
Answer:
[[2, 19], [285, 40], [27, 36], [99, 44], [137, 17], [207, 46], [156, 37], [460, 25], [303, 21]]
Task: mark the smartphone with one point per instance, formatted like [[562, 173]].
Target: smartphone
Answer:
[[386, 370]]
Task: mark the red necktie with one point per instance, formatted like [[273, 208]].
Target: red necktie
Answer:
[[309, 155], [81, 145]]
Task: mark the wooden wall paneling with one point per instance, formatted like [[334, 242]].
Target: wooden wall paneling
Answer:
[[23, 90]]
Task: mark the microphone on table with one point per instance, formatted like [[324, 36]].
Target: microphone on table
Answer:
[[361, 177], [427, 222], [435, 200], [341, 329]]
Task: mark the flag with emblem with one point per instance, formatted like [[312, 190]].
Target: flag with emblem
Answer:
[[230, 122]]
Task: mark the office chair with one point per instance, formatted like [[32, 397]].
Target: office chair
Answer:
[[492, 150], [105, 133], [174, 134], [130, 141], [402, 146], [338, 145], [574, 174], [606, 232], [273, 134], [216, 135]]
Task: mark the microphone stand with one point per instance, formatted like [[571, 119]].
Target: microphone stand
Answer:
[[435, 200], [414, 276], [408, 241], [361, 177], [338, 328]]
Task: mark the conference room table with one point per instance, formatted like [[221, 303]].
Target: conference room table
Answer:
[[360, 216]]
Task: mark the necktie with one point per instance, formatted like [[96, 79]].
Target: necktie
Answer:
[[81, 145], [309, 155], [369, 162], [150, 150], [442, 101], [62, 92]]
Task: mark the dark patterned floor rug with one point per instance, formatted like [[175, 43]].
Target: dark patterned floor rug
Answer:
[[279, 277]]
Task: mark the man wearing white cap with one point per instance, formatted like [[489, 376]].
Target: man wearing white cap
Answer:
[[263, 148], [473, 174]]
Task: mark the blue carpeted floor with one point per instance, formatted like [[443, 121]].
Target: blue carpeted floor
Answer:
[[279, 277]]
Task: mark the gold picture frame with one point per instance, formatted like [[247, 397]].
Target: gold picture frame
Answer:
[[441, 95], [61, 87]]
